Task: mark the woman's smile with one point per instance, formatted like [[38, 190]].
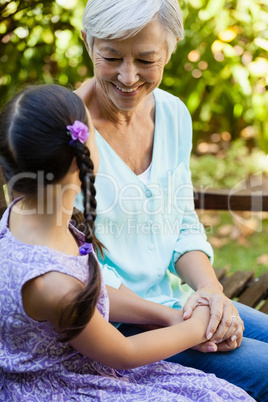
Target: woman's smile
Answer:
[[127, 91]]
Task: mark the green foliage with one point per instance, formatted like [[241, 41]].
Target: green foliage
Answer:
[[229, 168], [41, 43], [219, 70]]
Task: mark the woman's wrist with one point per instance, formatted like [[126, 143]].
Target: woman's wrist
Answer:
[[195, 268], [214, 284]]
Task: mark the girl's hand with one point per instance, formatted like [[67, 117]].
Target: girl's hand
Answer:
[[225, 326]]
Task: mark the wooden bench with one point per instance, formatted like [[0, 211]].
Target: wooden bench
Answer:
[[241, 285]]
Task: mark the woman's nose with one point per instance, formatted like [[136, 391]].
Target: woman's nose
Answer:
[[128, 74]]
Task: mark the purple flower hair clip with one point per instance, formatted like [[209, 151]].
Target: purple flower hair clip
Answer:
[[87, 248], [78, 131]]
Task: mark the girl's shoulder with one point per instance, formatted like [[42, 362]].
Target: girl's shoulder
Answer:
[[25, 262], [46, 296]]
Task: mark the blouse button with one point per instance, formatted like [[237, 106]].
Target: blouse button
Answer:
[[148, 193], [151, 246]]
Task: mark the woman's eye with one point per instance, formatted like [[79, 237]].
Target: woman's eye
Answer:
[[145, 61], [110, 59]]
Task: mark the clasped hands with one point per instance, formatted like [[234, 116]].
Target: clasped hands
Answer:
[[225, 329]]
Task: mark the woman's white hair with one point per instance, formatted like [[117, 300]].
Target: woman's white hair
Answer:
[[122, 19]]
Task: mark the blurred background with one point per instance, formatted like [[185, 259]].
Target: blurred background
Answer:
[[220, 71]]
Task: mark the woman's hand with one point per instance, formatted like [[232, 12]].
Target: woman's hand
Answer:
[[225, 328]]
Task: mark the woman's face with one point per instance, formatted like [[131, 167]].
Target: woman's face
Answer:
[[128, 70]]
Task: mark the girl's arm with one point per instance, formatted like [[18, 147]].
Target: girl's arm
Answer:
[[102, 342], [45, 297]]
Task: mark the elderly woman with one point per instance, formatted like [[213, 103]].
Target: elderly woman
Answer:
[[146, 216]]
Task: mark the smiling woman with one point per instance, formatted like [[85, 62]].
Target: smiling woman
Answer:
[[126, 71], [144, 136]]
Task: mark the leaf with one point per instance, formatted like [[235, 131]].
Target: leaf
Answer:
[[262, 260], [225, 230], [217, 242]]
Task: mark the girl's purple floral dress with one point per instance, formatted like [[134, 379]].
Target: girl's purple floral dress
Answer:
[[35, 367]]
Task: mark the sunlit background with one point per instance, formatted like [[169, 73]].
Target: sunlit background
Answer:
[[220, 69]]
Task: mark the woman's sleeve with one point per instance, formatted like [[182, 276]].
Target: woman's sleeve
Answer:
[[192, 236]]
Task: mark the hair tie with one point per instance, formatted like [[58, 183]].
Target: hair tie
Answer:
[[78, 131], [87, 248]]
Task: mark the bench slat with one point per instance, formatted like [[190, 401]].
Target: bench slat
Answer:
[[225, 200], [256, 292], [220, 273], [235, 284], [264, 308]]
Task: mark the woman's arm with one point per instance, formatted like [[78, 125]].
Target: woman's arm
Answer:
[[194, 268], [126, 306]]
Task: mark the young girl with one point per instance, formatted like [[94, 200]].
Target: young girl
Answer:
[[56, 343]]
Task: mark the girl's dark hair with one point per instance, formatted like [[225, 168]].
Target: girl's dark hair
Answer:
[[35, 151]]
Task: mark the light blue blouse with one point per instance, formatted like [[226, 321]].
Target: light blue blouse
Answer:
[[146, 228]]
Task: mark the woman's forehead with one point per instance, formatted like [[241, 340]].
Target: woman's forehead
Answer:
[[148, 41]]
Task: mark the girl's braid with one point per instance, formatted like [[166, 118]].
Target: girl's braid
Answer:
[[87, 178], [76, 317]]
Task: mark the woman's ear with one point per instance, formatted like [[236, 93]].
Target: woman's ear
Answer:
[[84, 36]]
